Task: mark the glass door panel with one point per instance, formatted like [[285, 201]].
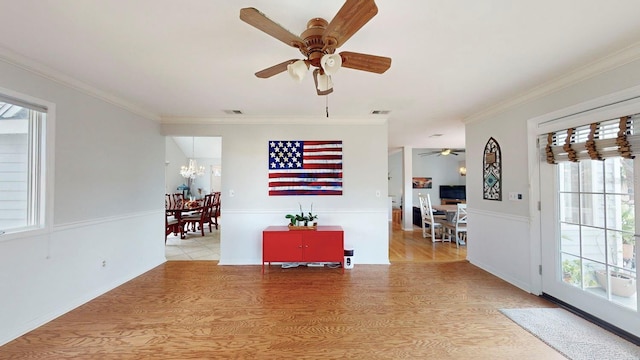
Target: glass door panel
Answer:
[[588, 241]]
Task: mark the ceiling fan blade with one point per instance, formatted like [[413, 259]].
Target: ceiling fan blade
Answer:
[[365, 62], [260, 21], [275, 69], [349, 19]]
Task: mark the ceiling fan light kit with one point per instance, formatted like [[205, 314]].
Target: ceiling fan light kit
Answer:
[[324, 85], [324, 82], [297, 70], [319, 42], [331, 63]]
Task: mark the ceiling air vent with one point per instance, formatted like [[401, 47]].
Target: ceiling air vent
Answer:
[[380, 112], [233, 112]]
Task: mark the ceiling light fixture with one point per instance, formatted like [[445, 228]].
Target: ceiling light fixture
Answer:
[[192, 170], [297, 70], [331, 63], [445, 152], [324, 82], [324, 85]]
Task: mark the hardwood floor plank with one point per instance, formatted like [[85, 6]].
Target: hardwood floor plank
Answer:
[[412, 309]]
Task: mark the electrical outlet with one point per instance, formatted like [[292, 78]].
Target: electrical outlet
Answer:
[[104, 263], [232, 193], [377, 193]]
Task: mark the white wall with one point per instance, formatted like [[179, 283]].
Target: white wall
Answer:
[[361, 210], [395, 181], [107, 208], [174, 159]]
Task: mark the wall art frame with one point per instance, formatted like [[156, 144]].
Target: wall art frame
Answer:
[[492, 171], [422, 183]]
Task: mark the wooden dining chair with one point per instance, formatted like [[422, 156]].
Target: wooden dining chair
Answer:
[[428, 220], [215, 210], [201, 217], [172, 225], [457, 227], [178, 200]]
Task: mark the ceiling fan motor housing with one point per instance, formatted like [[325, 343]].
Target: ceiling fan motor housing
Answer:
[[314, 47]]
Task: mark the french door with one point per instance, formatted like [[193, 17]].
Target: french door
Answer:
[[588, 237]]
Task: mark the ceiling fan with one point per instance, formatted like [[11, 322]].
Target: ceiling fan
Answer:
[[443, 152], [319, 42]]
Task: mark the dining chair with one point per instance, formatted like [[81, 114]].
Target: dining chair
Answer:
[[172, 225], [428, 220], [178, 200], [201, 217], [215, 210], [457, 227]]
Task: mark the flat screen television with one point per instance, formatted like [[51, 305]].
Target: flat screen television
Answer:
[[458, 192]]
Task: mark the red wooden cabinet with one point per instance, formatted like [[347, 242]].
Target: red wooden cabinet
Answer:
[[279, 244]]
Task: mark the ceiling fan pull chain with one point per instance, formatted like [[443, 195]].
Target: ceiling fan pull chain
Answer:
[[327, 104]]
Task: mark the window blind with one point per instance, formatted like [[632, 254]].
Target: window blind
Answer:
[[595, 141]]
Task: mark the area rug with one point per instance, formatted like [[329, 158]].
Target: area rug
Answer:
[[571, 335]]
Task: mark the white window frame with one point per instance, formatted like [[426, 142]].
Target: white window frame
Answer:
[[44, 201]]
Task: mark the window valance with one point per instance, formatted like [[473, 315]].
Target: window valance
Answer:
[[596, 141]]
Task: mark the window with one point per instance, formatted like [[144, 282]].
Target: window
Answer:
[[21, 165], [597, 227]]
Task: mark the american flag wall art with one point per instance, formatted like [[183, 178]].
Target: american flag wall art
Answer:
[[299, 167]]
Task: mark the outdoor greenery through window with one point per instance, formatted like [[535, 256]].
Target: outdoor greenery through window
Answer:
[[597, 227], [21, 140]]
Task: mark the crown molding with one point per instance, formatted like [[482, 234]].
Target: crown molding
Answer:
[[315, 120], [603, 65], [48, 73]]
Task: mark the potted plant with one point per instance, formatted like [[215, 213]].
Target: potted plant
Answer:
[[293, 219], [302, 220], [621, 284], [571, 272], [628, 228], [310, 217]]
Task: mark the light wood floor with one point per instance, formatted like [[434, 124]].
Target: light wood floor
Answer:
[[412, 247], [428, 304]]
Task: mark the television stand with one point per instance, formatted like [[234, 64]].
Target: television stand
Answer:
[[452, 201]]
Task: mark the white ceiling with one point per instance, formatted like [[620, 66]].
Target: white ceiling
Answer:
[[196, 58]]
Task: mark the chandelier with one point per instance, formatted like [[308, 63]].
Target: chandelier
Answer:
[[193, 170]]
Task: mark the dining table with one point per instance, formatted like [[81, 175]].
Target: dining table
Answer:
[[178, 211], [449, 210]]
